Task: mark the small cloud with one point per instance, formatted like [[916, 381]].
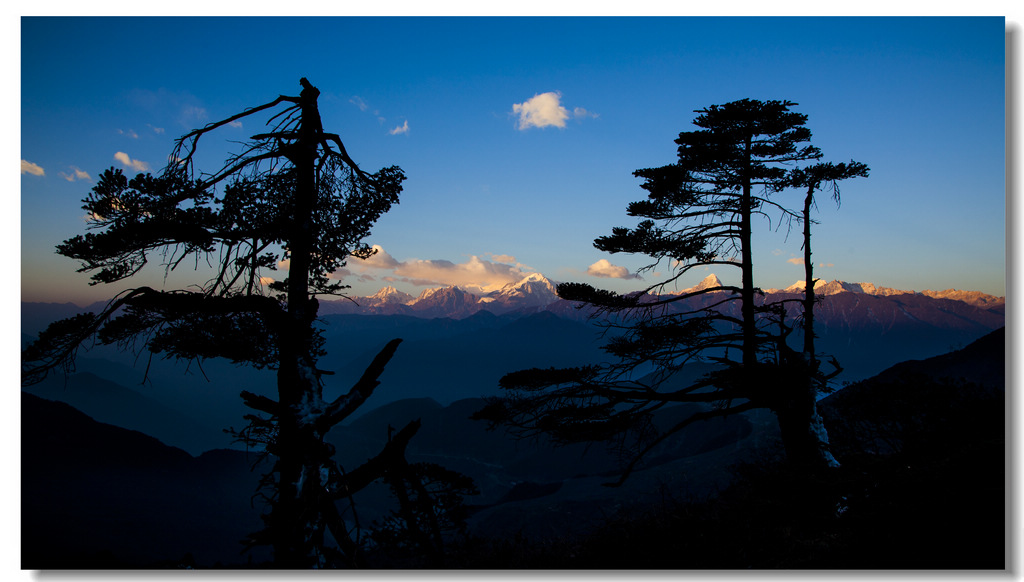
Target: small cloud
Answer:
[[502, 258], [542, 110], [136, 165], [130, 133], [777, 252], [236, 124], [358, 102], [605, 269], [192, 115], [795, 260], [266, 280], [156, 130], [581, 113], [30, 168], [75, 174], [404, 128], [826, 264]]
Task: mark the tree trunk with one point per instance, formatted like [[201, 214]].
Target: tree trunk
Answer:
[[817, 446], [808, 288], [294, 522], [803, 432], [747, 267]]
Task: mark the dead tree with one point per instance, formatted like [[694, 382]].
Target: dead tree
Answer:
[[293, 195]]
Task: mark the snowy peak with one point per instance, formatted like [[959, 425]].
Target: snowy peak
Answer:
[[443, 294], [535, 292], [445, 301], [832, 287], [708, 282], [975, 298], [390, 295], [532, 291]]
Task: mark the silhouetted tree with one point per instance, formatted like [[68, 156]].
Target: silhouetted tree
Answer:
[[698, 213], [817, 177], [430, 511], [293, 195]]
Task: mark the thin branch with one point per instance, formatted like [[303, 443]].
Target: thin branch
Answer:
[[678, 427]]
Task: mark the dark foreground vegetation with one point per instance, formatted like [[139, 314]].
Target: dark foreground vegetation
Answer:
[[938, 502], [921, 486]]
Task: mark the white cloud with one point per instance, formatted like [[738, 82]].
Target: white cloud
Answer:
[[358, 102], [502, 258], [130, 133], [236, 124], [795, 260], [545, 109], [580, 113], [476, 274], [191, 115], [541, 110], [75, 174], [404, 128], [605, 269], [380, 260], [30, 168], [156, 130], [136, 165]]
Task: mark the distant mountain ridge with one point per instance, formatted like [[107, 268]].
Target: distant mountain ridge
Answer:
[[531, 294], [976, 298], [537, 293]]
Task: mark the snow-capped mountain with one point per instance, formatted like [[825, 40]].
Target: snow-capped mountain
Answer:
[[390, 296], [822, 287], [708, 282], [445, 302], [976, 298], [534, 291]]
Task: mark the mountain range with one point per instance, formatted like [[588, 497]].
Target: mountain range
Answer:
[[537, 293], [468, 344], [533, 293]]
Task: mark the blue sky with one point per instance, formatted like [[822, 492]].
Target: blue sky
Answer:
[[519, 136]]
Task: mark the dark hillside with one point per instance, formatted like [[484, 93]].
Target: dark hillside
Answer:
[[99, 496], [921, 486], [112, 403]]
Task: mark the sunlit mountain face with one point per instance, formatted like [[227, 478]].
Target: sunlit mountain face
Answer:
[[537, 292]]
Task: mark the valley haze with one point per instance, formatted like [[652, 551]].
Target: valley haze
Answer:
[[458, 344]]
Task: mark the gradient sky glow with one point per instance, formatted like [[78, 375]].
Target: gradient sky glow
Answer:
[[519, 136]]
